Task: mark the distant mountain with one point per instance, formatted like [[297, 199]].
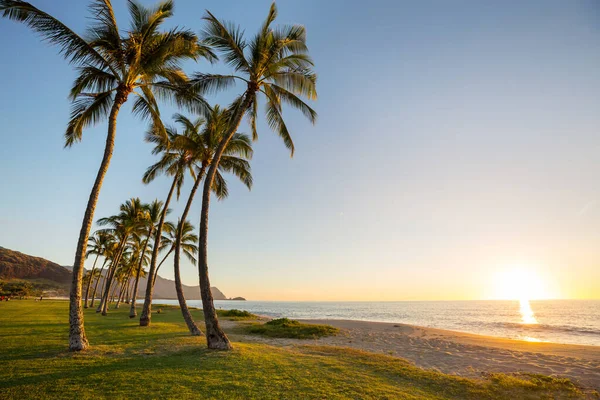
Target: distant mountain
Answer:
[[17, 265], [165, 289]]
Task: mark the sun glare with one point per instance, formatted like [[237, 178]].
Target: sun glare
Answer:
[[519, 283]]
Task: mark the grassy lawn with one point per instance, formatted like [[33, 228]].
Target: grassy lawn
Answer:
[[162, 361]]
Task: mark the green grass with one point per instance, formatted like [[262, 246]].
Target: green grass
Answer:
[[236, 315], [289, 328], [163, 361]]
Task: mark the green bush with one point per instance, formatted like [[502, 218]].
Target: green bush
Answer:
[[289, 328], [236, 314]]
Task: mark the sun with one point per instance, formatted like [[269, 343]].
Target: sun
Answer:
[[518, 283]]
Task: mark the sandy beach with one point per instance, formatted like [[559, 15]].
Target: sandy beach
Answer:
[[459, 353]]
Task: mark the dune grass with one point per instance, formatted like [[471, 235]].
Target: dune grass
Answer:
[[292, 329], [236, 315], [163, 361]]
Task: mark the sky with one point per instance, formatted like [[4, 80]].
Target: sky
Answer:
[[457, 150]]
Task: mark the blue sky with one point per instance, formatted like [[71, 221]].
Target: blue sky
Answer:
[[455, 140]]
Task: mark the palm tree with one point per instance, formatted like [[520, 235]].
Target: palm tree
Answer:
[[154, 212], [111, 68], [275, 64], [110, 252], [124, 225], [89, 276], [193, 150], [97, 245], [173, 162], [189, 243], [201, 146]]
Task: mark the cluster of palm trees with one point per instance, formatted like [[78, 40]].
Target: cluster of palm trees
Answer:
[[143, 62], [125, 247]]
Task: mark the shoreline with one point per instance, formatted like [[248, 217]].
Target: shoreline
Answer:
[[474, 337], [458, 353]]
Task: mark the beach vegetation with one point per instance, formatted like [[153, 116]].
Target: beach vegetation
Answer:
[[292, 329], [234, 314]]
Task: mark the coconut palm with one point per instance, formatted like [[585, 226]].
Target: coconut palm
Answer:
[[274, 64], [153, 212], [201, 146], [96, 246], [189, 243], [173, 162], [144, 63], [110, 252], [130, 221], [192, 151]]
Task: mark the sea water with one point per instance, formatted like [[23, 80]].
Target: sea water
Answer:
[[557, 321]]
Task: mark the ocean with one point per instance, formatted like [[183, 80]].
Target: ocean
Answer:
[[556, 321]]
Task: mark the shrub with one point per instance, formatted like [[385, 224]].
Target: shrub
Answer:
[[236, 314], [289, 328]]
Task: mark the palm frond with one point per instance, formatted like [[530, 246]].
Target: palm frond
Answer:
[[295, 102], [228, 39], [212, 83], [275, 118], [87, 110], [72, 46]]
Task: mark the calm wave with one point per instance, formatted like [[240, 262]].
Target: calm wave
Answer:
[[558, 321]]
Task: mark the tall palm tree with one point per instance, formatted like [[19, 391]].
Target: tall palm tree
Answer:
[[201, 146], [124, 225], [174, 162], [97, 246], [154, 212], [275, 63], [145, 63]]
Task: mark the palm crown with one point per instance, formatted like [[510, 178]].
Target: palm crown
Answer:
[[145, 62], [275, 63], [194, 148]]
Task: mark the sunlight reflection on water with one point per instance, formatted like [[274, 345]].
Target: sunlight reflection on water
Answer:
[[527, 314]]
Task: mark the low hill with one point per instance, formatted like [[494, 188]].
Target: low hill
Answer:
[[15, 265]]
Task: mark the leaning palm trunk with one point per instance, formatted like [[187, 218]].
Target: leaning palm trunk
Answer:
[[97, 281], [77, 339], [147, 309], [132, 310], [105, 300], [161, 263], [122, 291], [215, 336], [187, 316], [87, 290], [103, 306]]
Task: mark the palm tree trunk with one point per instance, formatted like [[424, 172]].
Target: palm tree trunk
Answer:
[[127, 291], [121, 294], [187, 316], [161, 263], [77, 339], [215, 336], [113, 294], [106, 287], [147, 309], [132, 310], [103, 307], [96, 284], [87, 290]]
